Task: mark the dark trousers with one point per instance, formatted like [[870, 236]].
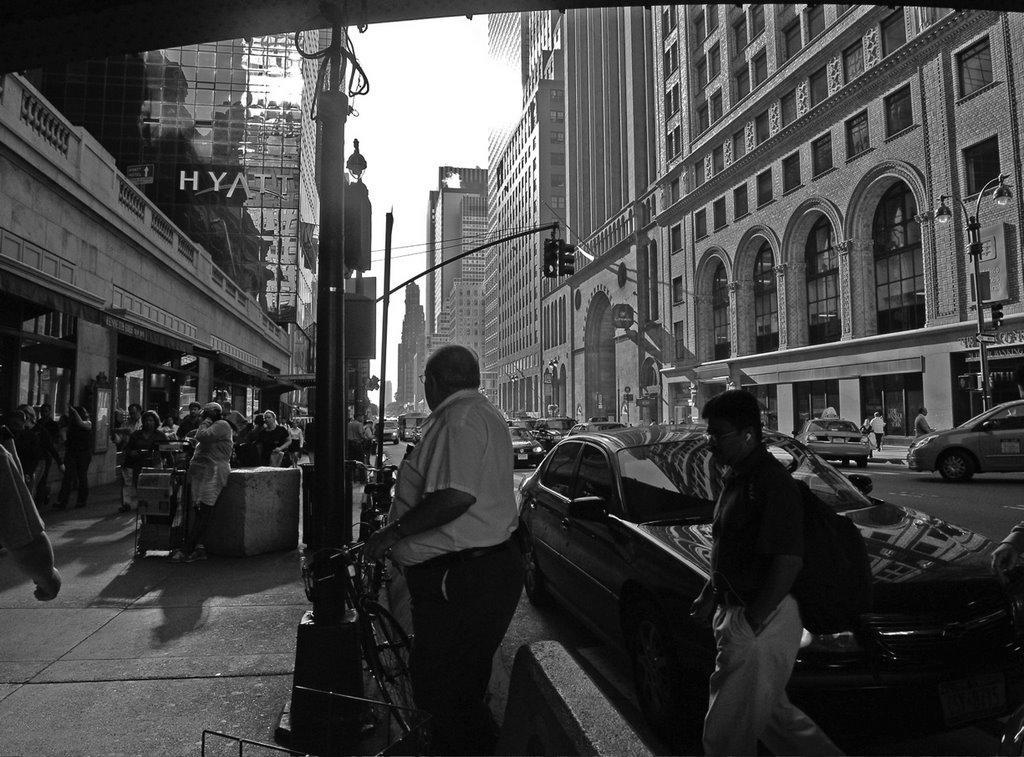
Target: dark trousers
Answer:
[[76, 473], [460, 613]]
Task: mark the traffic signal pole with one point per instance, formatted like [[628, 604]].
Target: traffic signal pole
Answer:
[[389, 223]]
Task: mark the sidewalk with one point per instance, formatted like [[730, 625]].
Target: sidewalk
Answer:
[[139, 656]]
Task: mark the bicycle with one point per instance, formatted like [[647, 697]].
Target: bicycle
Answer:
[[373, 516]]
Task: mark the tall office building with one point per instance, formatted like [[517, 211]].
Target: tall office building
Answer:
[[527, 177], [457, 222], [412, 352], [804, 152]]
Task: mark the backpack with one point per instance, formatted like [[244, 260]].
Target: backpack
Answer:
[[834, 587]]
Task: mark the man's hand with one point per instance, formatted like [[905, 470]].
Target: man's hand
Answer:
[[1004, 559], [49, 588], [379, 545]]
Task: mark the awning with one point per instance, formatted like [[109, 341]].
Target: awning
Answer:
[[137, 331], [48, 299]]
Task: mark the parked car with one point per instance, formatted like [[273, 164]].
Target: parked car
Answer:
[[580, 428], [990, 442], [616, 529], [836, 439], [525, 448], [549, 430], [391, 430]]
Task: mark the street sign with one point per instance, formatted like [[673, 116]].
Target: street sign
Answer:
[[984, 338], [140, 174]]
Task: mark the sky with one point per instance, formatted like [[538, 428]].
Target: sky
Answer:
[[425, 109]]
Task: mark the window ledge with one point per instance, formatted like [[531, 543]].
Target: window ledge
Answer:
[[902, 132], [791, 190], [862, 153], [740, 217], [978, 92], [719, 228], [765, 204], [826, 172]]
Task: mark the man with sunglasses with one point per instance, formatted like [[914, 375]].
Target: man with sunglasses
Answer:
[[756, 554]]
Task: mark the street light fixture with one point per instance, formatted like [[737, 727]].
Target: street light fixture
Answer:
[[1001, 194]]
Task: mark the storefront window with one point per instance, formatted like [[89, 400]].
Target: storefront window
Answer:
[[810, 398], [896, 396], [768, 398]]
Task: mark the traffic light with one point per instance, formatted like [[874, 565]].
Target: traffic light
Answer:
[[997, 314], [566, 259], [550, 258]]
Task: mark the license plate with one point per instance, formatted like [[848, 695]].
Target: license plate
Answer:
[[522, 457], [972, 698], [837, 440]]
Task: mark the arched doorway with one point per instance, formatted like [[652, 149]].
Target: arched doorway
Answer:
[[599, 360]]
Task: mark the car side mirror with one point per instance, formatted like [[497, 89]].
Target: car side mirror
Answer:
[[990, 425], [588, 508], [863, 483]]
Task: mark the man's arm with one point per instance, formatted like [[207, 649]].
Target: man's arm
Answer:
[[782, 572], [35, 560], [436, 509]]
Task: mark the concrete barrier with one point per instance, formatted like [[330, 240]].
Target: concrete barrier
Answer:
[[257, 512], [555, 708]]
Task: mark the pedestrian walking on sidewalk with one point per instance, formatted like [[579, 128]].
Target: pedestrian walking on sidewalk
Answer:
[[77, 455], [450, 532], [22, 532], [877, 426], [756, 554], [207, 476], [921, 424]]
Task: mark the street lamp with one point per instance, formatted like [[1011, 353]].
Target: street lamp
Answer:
[[1001, 194]]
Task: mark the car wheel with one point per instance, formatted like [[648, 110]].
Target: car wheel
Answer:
[[956, 465], [658, 677], [862, 462], [533, 579]]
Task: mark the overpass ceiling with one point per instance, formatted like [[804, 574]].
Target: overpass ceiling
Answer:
[[38, 32]]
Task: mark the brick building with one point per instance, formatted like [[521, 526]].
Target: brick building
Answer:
[[805, 149]]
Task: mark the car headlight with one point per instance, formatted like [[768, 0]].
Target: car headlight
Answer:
[[812, 437], [538, 449], [830, 643], [918, 443]]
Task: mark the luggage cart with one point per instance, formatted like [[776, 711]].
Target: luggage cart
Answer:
[[162, 518]]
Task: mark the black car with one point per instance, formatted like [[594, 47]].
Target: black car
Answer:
[[616, 526], [549, 430]]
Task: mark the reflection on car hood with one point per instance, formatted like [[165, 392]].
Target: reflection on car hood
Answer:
[[906, 547]]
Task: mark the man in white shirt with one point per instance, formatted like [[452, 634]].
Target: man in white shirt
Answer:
[[450, 531]]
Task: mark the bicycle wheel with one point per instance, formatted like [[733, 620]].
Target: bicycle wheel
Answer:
[[386, 649]]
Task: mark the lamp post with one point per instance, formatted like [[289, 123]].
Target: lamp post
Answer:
[[1001, 194]]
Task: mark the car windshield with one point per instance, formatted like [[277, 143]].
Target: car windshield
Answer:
[[987, 414], [556, 424], [680, 480], [849, 426], [520, 434]]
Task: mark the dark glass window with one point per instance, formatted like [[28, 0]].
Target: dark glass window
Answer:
[[822, 285], [676, 235], [739, 202], [739, 32], [974, 67], [700, 224], [718, 213], [714, 61], [894, 33], [720, 314], [673, 142], [701, 71], [739, 145], [981, 164], [791, 43], [899, 113], [716, 106], [698, 172], [857, 138], [815, 21], [899, 274], [821, 154], [717, 159], [703, 121], [671, 59], [766, 301], [668, 17], [677, 290], [742, 82], [672, 101], [712, 17], [558, 474], [699, 30], [853, 61], [756, 20], [760, 67], [764, 187], [818, 86], [791, 172], [761, 127], [679, 331], [788, 108]]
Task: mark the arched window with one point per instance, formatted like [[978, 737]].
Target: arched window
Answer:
[[899, 274], [720, 313], [766, 301], [822, 285]]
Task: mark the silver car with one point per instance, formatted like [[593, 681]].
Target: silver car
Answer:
[[836, 439], [990, 442]]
